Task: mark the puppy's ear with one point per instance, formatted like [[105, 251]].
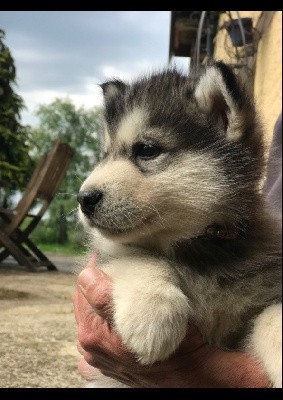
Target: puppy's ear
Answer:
[[220, 95], [113, 88]]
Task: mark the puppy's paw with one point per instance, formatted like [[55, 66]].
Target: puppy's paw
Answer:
[[152, 324], [265, 342]]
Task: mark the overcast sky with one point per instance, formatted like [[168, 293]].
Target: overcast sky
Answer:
[[68, 53]]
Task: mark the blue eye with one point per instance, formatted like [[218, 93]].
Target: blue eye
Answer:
[[146, 151]]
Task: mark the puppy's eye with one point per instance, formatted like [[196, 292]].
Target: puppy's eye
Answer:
[[146, 151]]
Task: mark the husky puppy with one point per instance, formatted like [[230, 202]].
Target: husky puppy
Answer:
[[176, 212]]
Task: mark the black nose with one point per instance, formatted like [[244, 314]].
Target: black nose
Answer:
[[88, 200]]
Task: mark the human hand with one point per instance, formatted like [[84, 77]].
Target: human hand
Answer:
[[195, 364]]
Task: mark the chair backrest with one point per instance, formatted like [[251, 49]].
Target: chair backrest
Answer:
[[44, 183]]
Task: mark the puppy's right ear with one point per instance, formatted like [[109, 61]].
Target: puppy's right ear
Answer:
[[222, 96], [113, 88]]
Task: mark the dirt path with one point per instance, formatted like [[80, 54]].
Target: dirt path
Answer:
[[38, 329]]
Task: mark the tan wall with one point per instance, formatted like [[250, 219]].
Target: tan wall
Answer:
[[267, 73]]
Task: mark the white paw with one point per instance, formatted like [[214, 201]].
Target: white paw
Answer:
[[151, 324], [265, 342]]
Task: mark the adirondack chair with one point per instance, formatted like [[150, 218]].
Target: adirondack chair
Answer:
[[40, 191]]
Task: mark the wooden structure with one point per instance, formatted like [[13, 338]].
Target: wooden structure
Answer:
[[41, 189]]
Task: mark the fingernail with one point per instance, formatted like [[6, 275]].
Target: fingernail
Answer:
[[85, 278]]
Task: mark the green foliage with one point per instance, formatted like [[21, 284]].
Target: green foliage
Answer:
[[15, 162], [21, 148], [79, 128], [68, 249]]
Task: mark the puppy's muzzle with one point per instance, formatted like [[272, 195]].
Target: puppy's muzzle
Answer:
[[89, 200]]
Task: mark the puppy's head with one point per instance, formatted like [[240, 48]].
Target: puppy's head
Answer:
[[179, 154]]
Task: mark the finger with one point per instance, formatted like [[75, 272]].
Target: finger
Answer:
[[98, 358], [80, 349], [96, 287], [87, 371], [192, 341], [94, 332], [82, 308]]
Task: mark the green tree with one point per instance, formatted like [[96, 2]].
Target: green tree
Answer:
[[15, 161], [80, 129]]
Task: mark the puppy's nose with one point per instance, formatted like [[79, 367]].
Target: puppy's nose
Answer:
[[88, 200]]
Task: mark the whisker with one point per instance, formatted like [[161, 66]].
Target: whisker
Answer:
[[161, 220], [68, 194]]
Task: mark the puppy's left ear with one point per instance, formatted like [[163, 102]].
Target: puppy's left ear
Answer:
[[220, 95]]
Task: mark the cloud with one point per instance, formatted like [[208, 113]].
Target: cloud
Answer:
[[69, 53], [89, 97], [126, 71]]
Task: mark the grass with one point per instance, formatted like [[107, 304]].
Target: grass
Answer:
[[68, 249]]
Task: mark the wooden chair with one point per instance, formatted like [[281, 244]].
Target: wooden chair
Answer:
[[41, 189]]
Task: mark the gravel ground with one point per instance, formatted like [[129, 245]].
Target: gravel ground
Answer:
[[38, 331]]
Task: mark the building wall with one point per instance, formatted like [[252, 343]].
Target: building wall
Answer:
[[268, 74], [267, 68]]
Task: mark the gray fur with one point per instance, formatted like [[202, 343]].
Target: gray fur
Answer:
[[209, 170]]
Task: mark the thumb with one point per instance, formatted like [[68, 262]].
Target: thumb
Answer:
[[96, 286]]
